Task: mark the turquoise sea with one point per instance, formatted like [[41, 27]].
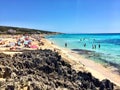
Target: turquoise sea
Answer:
[[87, 45]]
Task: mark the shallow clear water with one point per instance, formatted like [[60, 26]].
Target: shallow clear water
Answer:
[[109, 51]]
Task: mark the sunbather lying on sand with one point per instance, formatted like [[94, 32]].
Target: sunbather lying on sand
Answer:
[[2, 42]]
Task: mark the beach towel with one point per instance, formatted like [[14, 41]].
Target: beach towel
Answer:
[[26, 42], [12, 44], [33, 46]]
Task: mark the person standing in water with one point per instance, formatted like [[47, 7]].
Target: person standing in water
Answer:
[[85, 45], [92, 46], [95, 46], [65, 44], [99, 45]]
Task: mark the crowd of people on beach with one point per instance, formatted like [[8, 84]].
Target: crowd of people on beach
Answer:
[[18, 42]]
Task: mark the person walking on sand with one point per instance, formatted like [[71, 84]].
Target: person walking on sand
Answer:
[[65, 44]]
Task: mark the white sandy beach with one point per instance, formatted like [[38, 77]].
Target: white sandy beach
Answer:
[[77, 62], [80, 63]]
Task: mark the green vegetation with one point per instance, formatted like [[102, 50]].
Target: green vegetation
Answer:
[[18, 30]]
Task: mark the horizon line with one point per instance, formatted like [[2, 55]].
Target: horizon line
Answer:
[[62, 32]]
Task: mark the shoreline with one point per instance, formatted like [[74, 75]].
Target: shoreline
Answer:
[[99, 71], [77, 62], [110, 65]]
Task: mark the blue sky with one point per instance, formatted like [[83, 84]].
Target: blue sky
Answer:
[[69, 16]]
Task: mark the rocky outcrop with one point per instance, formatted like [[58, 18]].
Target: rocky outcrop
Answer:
[[45, 70]]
